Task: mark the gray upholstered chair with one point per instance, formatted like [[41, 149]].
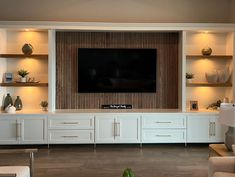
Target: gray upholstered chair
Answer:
[[18, 171]]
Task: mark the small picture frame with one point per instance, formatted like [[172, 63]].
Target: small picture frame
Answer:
[[8, 77], [194, 105]]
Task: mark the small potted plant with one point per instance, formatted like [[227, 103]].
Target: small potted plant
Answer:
[[44, 105], [23, 73], [189, 77], [128, 173]]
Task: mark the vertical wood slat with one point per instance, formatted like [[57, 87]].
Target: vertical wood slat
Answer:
[[67, 43]]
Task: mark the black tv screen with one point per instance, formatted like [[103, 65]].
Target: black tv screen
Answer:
[[116, 70]]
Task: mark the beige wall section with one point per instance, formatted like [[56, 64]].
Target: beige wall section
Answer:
[[117, 10], [232, 10]]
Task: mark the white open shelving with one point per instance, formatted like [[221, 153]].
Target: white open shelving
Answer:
[[222, 44], [12, 60]]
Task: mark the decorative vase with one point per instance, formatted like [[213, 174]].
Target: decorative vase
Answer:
[[23, 79], [18, 103], [211, 77], [7, 101], [44, 108], [206, 51], [189, 80], [223, 75], [27, 49]]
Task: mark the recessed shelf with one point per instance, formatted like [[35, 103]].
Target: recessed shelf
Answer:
[[210, 56], [43, 56], [205, 84], [26, 84]]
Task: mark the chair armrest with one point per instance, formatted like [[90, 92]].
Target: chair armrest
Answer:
[[221, 164], [16, 151], [8, 175]]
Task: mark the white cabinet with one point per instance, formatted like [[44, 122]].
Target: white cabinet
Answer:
[[33, 130], [204, 128], [117, 129], [9, 130], [163, 128], [90, 128], [23, 129], [71, 129], [105, 129]]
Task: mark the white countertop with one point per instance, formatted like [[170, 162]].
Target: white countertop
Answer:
[[98, 111]]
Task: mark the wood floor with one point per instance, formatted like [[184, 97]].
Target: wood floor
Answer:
[[109, 160]]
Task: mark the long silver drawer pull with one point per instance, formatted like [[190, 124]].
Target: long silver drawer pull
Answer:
[[18, 130], [71, 123], [163, 135], [70, 136], [158, 122], [117, 128]]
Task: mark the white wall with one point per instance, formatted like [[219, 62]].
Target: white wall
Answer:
[[3, 64], [117, 10]]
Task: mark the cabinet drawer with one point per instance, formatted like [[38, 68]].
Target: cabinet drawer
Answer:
[[71, 136], [163, 121], [71, 122], [163, 136]]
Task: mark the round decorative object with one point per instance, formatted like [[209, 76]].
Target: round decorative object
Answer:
[[206, 51], [27, 49]]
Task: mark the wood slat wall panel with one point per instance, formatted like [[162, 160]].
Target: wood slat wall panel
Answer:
[[67, 44]]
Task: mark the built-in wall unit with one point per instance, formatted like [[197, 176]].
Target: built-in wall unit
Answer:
[[24, 128], [155, 84]]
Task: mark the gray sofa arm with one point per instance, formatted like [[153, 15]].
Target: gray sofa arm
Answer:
[[221, 164]]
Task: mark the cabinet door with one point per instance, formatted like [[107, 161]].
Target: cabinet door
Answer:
[[33, 130], [217, 131], [198, 129], [127, 129], [104, 129], [9, 130]]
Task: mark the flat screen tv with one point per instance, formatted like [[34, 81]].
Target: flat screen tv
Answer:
[[103, 70]]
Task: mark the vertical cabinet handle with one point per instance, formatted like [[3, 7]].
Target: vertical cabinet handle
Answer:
[[210, 127], [117, 128], [214, 126], [18, 130], [114, 130]]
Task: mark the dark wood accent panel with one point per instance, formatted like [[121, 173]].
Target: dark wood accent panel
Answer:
[[67, 43]]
